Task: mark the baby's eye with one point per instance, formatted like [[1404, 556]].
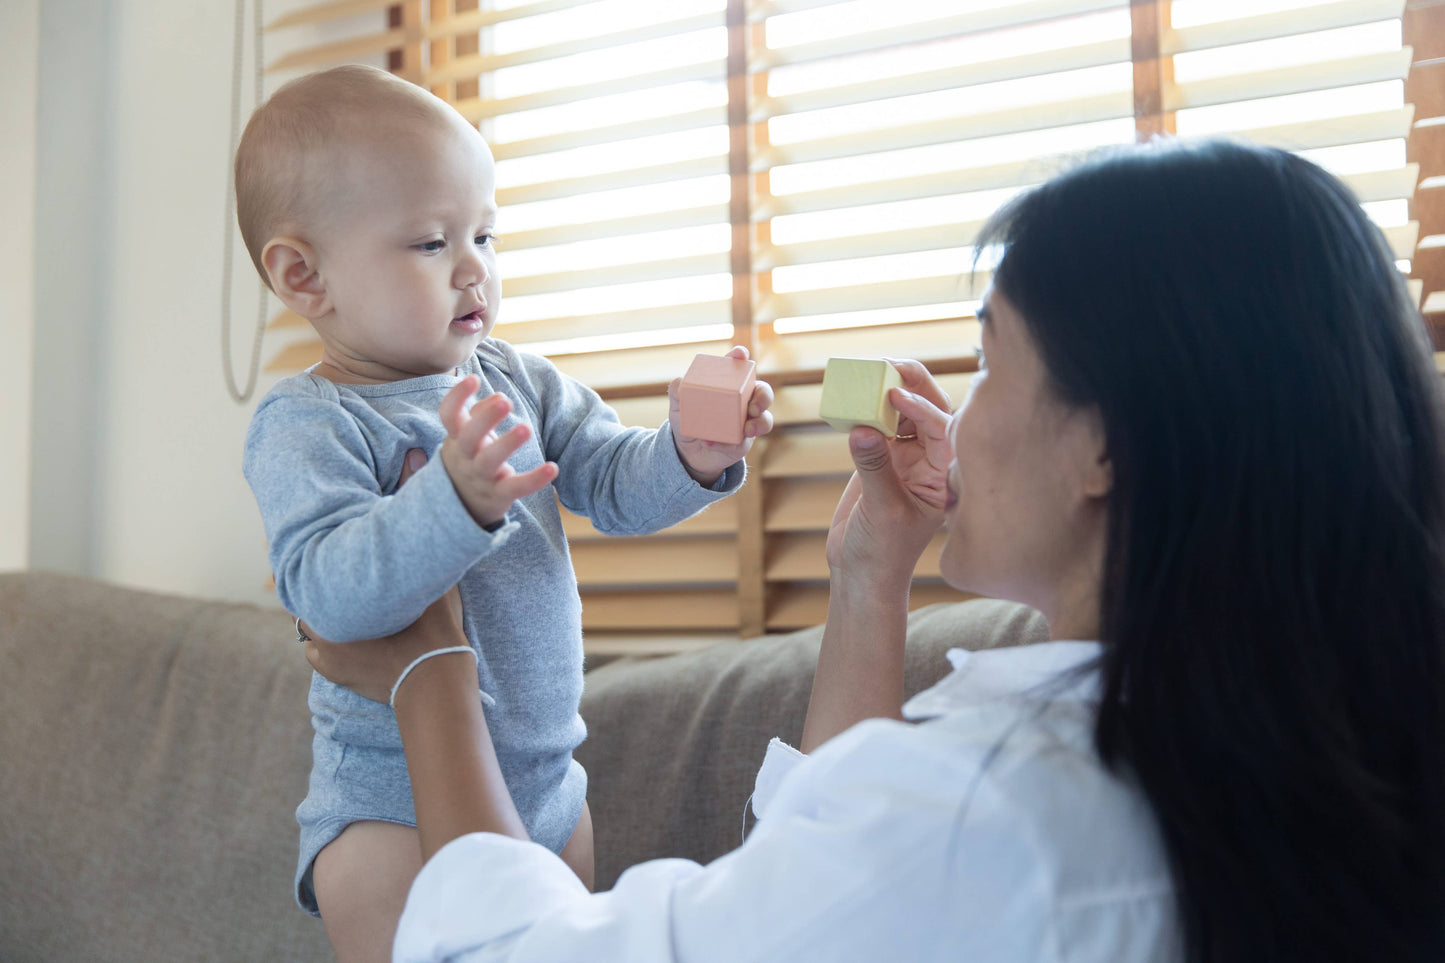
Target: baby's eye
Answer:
[[978, 353], [485, 240], [431, 247]]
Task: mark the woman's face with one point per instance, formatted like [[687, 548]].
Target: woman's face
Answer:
[[1028, 485]]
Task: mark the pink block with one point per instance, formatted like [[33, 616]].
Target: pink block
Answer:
[[713, 398]]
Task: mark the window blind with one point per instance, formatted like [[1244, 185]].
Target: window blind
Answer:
[[807, 177]]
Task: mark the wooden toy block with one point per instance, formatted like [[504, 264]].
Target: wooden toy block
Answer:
[[855, 392], [713, 398]]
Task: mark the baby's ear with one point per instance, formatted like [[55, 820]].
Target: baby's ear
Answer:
[[292, 267]]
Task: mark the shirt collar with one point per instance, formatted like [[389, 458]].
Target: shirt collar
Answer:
[[1041, 672]]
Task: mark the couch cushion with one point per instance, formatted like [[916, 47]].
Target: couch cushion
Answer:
[[154, 750], [674, 743]]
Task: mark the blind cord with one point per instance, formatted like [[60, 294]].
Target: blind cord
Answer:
[[228, 237]]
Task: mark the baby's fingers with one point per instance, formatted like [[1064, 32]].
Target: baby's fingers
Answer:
[[492, 454], [453, 409], [520, 485], [486, 415]]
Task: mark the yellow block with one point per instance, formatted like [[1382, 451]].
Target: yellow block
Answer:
[[855, 392]]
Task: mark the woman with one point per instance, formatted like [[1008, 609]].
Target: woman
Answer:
[[1206, 442]]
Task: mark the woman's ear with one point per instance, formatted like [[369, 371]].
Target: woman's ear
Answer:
[[292, 267], [1098, 468]]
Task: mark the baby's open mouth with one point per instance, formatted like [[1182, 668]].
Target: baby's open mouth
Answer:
[[470, 322]]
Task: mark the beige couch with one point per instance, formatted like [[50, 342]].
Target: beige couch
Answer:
[[153, 749]]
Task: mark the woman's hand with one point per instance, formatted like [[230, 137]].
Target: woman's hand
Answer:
[[894, 502], [371, 667]]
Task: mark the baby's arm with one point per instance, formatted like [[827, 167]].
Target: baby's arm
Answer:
[[628, 480], [351, 559]]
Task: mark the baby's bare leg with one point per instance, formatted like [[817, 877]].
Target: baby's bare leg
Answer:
[[362, 878], [578, 851]]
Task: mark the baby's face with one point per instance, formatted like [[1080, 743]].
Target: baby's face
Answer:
[[405, 249]]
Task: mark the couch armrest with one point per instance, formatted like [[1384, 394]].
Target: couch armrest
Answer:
[[673, 744]]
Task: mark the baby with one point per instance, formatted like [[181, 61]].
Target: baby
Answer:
[[367, 205]]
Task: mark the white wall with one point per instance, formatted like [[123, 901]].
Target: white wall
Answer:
[[137, 475], [19, 52]]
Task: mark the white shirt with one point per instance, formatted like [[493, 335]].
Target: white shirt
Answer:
[[989, 832]]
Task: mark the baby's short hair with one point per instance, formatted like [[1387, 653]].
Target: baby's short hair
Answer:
[[282, 164]]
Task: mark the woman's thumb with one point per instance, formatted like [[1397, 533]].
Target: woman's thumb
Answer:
[[871, 457]]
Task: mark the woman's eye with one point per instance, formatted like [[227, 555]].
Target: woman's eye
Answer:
[[431, 247]]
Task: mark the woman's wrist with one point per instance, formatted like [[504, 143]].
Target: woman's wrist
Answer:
[[439, 671]]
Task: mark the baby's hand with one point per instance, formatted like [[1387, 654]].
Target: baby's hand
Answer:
[[476, 459], [705, 461]]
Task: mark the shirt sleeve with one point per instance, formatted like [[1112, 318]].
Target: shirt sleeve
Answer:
[[627, 480], [855, 860], [352, 560]]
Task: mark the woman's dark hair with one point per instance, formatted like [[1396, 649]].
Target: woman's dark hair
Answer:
[[1273, 602]]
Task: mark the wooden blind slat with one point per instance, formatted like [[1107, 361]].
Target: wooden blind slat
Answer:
[[613, 322], [660, 609], [940, 289], [822, 452], [719, 519], [1402, 238], [1064, 113], [615, 227], [1334, 131], [1258, 84], [473, 21], [341, 51], [795, 557], [801, 605], [1021, 173], [474, 66], [907, 241], [1384, 185], [1013, 68], [653, 270], [635, 370], [632, 130], [1283, 23], [647, 176], [802, 504], [323, 12], [945, 346], [476, 109], [655, 561], [959, 25]]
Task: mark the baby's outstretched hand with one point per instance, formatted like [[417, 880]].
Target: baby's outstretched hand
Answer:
[[476, 458], [705, 461]]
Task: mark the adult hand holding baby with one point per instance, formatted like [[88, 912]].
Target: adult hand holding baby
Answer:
[[705, 461], [371, 667], [476, 458]]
